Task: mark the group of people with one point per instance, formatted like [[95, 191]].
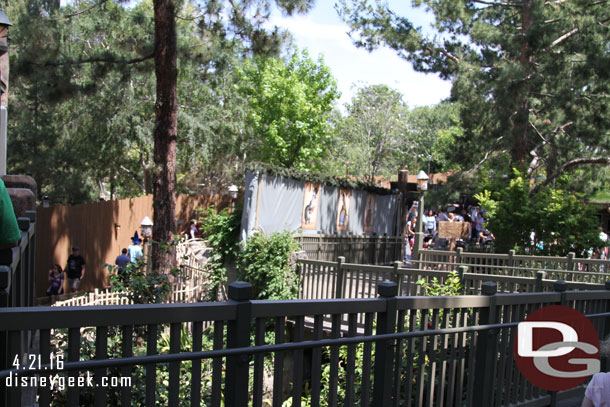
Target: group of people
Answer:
[[474, 216], [75, 267], [75, 271]]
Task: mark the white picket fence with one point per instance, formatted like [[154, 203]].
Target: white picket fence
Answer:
[[192, 286]]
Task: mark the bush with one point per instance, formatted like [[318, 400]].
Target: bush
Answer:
[[221, 230], [560, 221], [265, 263], [142, 286]]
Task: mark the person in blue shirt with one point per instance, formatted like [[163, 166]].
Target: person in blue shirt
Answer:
[[122, 260]]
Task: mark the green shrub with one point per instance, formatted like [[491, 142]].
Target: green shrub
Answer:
[[143, 286], [265, 263], [434, 288], [221, 231]]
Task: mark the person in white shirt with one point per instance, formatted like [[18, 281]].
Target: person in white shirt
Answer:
[[598, 389], [430, 222]]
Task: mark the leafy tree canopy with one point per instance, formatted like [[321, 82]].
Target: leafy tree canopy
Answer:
[[560, 222], [289, 101], [531, 76]]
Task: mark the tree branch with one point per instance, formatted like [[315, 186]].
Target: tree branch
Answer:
[[534, 164], [451, 57], [574, 31], [134, 176], [96, 60], [492, 3], [78, 13], [573, 163], [488, 156]]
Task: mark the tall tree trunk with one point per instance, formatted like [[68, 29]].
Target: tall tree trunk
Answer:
[[166, 72], [521, 145]]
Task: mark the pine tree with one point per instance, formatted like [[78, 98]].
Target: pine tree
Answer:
[[531, 76]]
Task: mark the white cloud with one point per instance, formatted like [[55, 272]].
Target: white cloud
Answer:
[[351, 65]]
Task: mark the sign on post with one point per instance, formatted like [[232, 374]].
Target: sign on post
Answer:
[[453, 230]]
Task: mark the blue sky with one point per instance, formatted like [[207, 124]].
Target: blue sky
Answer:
[[321, 31]]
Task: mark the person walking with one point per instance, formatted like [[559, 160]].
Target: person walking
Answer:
[[135, 250], [122, 260], [56, 280], [75, 269]]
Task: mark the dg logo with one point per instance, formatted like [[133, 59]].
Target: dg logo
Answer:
[[556, 348]]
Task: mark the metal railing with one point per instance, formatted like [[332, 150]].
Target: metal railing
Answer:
[[327, 280], [421, 351]]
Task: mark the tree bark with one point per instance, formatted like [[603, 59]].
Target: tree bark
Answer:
[[521, 144], [166, 109]]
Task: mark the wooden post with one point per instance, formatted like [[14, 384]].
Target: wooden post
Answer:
[[461, 271], [238, 336], [397, 277], [384, 349], [340, 285], [571, 264], [486, 350]]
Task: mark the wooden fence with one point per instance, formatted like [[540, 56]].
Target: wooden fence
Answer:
[[93, 227], [492, 262], [327, 280], [364, 249], [416, 351], [192, 285], [361, 249]]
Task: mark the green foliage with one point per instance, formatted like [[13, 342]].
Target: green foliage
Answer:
[[144, 286], [451, 286], [433, 130], [560, 221], [372, 132], [221, 230], [530, 77], [289, 105], [265, 263], [83, 94], [59, 345]]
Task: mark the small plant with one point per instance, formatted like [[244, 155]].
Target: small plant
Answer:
[[451, 286]]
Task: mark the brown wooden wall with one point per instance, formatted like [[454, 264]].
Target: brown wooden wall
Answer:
[[91, 227]]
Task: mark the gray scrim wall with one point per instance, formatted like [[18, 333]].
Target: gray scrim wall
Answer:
[[275, 204]]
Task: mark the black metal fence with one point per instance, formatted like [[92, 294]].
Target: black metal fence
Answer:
[[384, 351]]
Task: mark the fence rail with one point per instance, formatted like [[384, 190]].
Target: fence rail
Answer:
[[326, 280], [420, 351], [17, 267], [362, 249], [490, 262], [191, 285], [365, 249]]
